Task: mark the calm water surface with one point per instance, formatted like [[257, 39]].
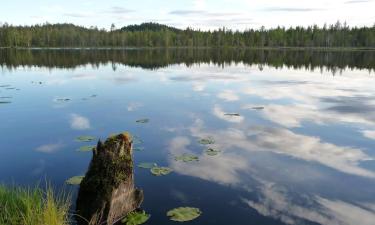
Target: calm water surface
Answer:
[[301, 150]]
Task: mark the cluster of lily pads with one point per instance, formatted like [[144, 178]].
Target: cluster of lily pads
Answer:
[[181, 214], [210, 151], [155, 169], [86, 148]]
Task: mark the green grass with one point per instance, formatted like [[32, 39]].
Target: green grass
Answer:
[[33, 206]]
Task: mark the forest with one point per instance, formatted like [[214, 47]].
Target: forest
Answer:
[[338, 35]]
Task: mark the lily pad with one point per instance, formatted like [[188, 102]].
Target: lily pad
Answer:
[[75, 180], [187, 158], [143, 121], [147, 165], [87, 148], [183, 214], [232, 114], [258, 108], [136, 218], [63, 99], [212, 152], [160, 171], [85, 138], [206, 141]]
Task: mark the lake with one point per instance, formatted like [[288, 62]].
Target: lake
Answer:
[[292, 132]]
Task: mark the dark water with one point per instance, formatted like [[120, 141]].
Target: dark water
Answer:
[[301, 150]]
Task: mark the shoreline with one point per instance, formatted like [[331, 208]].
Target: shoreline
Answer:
[[328, 49]]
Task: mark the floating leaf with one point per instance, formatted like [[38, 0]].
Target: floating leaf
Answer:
[[136, 218], [147, 165], [75, 180], [143, 121], [212, 152], [184, 214], [206, 141], [85, 138], [187, 158], [63, 99], [160, 171], [232, 114], [87, 148]]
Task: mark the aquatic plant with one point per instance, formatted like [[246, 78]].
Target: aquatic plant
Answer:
[[85, 138], [187, 158], [76, 180], [136, 218], [147, 165], [206, 141], [143, 121], [160, 171], [212, 152], [231, 114], [87, 148], [183, 214], [33, 206]]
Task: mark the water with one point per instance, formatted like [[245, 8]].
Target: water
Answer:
[[299, 152]]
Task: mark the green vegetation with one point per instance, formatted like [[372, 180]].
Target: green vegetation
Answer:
[[33, 206], [147, 165], [160, 171], [85, 138], [308, 59], [206, 141], [184, 214], [136, 218], [212, 152], [156, 35], [76, 180], [187, 158], [87, 148]]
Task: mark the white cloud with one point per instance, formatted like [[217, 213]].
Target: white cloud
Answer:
[[224, 170], [228, 95], [134, 106], [283, 141], [50, 148], [369, 134], [78, 122], [275, 202], [198, 86]]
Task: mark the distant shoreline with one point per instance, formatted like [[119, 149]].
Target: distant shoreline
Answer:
[[218, 48]]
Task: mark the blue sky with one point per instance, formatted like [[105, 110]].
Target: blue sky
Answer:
[[202, 14]]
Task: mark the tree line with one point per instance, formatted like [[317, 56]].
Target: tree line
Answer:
[[333, 61], [155, 35]]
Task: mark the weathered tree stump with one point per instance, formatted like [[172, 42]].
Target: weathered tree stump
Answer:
[[107, 193]]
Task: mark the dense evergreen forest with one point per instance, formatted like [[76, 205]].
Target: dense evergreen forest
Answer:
[[156, 35], [333, 61]]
